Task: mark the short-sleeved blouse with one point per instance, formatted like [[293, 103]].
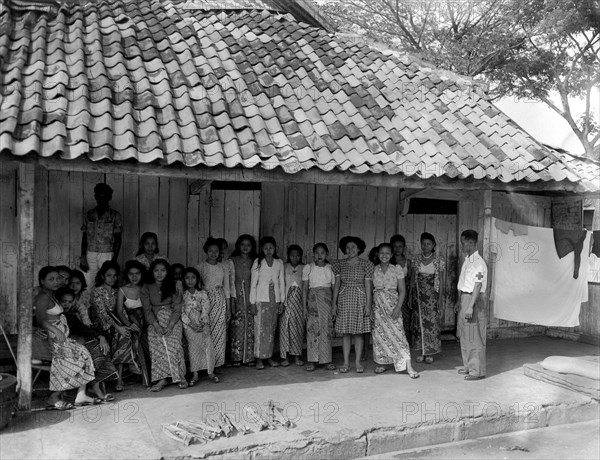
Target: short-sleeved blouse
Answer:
[[318, 276], [293, 276], [214, 276], [389, 279], [355, 273], [195, 308]]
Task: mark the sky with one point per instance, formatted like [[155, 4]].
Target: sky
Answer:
[[544, 124]]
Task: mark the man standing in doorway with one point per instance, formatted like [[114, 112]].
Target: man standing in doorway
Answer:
[[102, 229], [472, 320]]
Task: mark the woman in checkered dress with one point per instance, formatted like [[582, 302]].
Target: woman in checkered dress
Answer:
[[352, 298]]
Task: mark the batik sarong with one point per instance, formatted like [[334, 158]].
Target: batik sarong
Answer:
[[291, 324], [319, 325], [425, 329], [166, 351], [72, 366], [389, 340]]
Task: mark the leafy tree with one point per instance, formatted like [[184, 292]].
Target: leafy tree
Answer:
[[524, 48]]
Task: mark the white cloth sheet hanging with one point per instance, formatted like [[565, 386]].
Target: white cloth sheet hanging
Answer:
[[531, 284]]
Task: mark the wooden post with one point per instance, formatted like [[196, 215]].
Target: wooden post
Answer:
[[487, 230], [25, 281]]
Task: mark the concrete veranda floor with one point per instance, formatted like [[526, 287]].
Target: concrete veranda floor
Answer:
[[337, 415]]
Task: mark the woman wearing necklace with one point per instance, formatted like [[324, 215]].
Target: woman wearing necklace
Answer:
[[427, 276]]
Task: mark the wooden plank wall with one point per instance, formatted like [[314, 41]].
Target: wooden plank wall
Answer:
[[307, 213], [9, 241], [232, 213], [159, 205]]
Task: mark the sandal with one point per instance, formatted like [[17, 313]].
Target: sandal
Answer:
[[331, 367], [428, 359], [260, 366], [380, 369], [182, 385], [359, 370], [237, 364], [60, 405], [252, 364], [273, 363], [299, 362], [310, 368], [419, 359], [344, 370], [414, 375], [158, 387], [213, 377], [284, 363], [107, 397], [193, 382]]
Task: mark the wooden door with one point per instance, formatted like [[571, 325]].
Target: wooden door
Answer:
[[232, 213], [444, 228]]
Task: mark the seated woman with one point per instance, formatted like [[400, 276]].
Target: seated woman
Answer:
[[131, 313], [102, 313], [162, 311], [78, 285], [72, 366], [91, 339]]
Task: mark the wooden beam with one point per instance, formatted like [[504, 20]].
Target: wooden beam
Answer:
[[312, 176], [26, 185], [487, 232], [196, 187]]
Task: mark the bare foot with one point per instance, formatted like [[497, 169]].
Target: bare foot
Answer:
[[84, 399]]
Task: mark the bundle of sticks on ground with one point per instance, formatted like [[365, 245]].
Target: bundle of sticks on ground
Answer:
[[220, 424]]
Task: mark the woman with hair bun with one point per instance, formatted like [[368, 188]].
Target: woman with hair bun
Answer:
[[352, 296], [426, 280]]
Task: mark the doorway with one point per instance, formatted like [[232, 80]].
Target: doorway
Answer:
[[438, 217]]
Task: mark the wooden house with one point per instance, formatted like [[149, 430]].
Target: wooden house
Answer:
[[221, 118]]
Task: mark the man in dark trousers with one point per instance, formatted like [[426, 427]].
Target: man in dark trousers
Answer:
[[102, 230], [472, 319]]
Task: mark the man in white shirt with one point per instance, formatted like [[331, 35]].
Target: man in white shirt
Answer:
[[472, 320]]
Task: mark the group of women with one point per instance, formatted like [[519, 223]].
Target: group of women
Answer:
[[179, 322]]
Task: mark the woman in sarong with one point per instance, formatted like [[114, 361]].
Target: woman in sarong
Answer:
[[317, 296], [427, 276], [96, 344], [130, 313], [214, 278], [400, 259], [241, 328], [103, 307], [196, 327], [389, 342], [162, 311], [267, 292], [72, 366], [292, 321]]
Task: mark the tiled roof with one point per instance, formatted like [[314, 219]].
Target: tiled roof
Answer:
[[153, 81]]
